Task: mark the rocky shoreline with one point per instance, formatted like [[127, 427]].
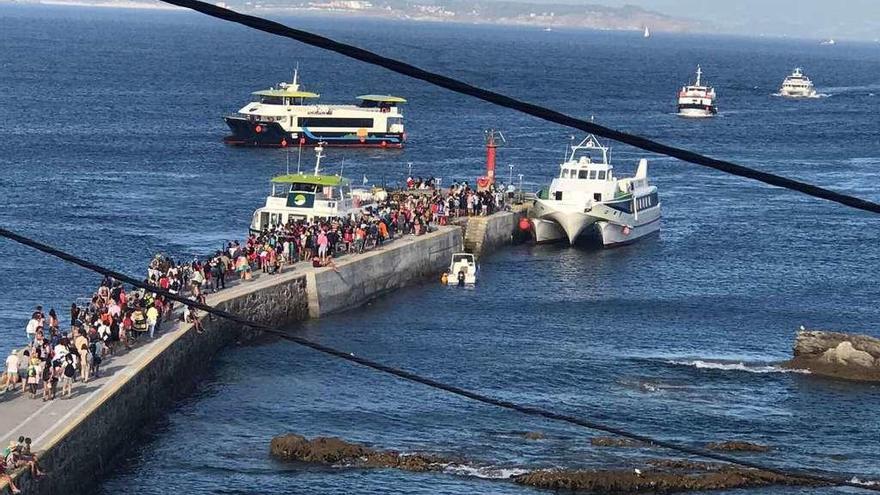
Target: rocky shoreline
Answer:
[[653, 476], [837, 355]]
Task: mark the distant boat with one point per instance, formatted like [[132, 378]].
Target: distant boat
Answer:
[[548, 29], [647, 32], [697, 100], [797, 85], [829, 41]]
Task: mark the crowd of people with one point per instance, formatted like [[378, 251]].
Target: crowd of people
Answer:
[[113, 319]]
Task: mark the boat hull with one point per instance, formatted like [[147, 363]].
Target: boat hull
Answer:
[[272, 134], [616, 235], [696, 112], [547, 231]]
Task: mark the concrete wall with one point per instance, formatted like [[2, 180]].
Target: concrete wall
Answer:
[[486, 234], [85, 448], [378, 272]]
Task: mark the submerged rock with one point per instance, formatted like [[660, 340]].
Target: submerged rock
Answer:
[[837, 355], [737, 446], [616, 442]]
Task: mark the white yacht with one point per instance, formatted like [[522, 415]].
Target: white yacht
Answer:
[[306, 197], [647, 33], [587, 195], [697, 100], [797, 85], [285, 115]]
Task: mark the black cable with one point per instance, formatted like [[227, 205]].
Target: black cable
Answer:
[[543, 113], [829, 479]]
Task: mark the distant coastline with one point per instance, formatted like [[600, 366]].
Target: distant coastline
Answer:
[[539, 16]]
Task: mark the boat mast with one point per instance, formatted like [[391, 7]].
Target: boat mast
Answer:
[[699, 73], [319, 153]]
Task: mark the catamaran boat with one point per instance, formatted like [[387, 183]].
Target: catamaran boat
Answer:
[[697, 100], [797, 85], [307, 197], [587, 196], [284, 116]]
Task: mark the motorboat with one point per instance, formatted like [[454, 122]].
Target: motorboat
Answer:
[[306, 197], [286, 115], [587, 196], [462, 270], [797, 85], [697, 100]]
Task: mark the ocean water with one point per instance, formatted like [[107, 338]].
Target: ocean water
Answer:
[[110, 148]]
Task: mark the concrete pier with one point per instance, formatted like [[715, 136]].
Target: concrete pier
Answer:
[[486, 234], [76, 440]]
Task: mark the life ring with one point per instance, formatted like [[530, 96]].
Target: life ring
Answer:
[[284, 143], [384, 144], [302, 141], [626, 230], [258, 129], [483, 182]]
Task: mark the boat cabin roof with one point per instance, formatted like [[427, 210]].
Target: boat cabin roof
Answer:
[[382, 98], [286, 93], [321, 180]]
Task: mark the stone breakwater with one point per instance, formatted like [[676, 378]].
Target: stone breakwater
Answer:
[[654, 476], [83, 439], [837, 355]]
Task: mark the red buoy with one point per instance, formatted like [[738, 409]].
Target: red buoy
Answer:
[[284, 143], [524, 224], [258, 129], [384, 144]]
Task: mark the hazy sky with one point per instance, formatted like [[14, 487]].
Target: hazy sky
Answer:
[[801, 18]]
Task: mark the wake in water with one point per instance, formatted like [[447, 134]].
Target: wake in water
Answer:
[[735, 366]]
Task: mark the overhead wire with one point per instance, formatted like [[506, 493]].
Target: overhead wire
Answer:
[[820, 478]]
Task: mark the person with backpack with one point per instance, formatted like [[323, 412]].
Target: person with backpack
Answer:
[[68, 371]]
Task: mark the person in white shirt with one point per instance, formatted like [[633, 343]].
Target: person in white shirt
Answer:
[[35, 323], [12, 364]]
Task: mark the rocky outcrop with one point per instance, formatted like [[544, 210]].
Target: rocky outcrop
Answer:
[[615, 442], [654, 476], [837, 355], [336, 451], [661, 476]]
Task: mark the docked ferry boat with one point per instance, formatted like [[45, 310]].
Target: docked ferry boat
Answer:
[[286, 115], [588, 197], [697, 100], [797, 85], [303, 196]]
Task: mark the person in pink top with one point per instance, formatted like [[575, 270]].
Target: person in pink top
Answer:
[[323, 241]]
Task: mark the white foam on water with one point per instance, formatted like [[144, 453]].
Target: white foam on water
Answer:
[[864, 483], [700, 364], [486, 472]]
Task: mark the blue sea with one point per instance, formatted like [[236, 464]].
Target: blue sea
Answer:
[[110, 147]]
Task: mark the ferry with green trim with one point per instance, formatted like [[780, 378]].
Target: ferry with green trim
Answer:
[[286, 115], [306, 197]]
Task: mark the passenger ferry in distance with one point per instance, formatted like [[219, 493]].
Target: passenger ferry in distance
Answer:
[[797, 85], [588, 195], [302, 196], [697, 100], [283, 116]]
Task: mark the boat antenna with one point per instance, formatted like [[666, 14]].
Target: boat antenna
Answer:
[[319, 153], [299, 158], [699, 73], [287, 152], [296, 77], [342, 167]]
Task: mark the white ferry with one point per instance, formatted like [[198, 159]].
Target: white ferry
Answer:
[[588, 195], [288, 116], [697, 100], [797, 85], [307, 197]]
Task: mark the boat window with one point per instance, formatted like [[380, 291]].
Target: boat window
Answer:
[[582, 174], [592, 174], [296, 186], [334, 122], [264, 219], [597, 196], [272, 100], [461, 257], [601, 175]]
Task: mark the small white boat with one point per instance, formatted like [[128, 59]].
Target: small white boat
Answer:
[[828, 42], [462, 270], [647, 33], [797, 85], [697, 100]]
